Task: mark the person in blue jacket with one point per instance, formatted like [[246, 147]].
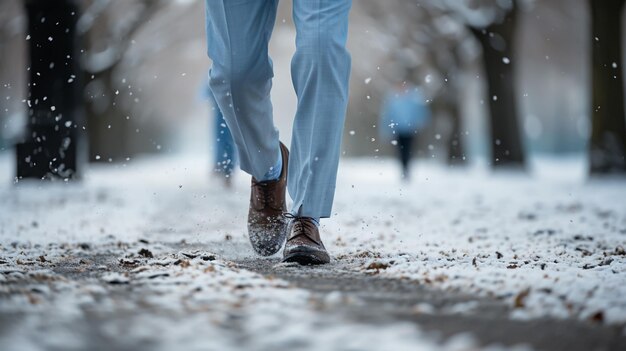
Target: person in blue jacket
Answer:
[[403, 114]]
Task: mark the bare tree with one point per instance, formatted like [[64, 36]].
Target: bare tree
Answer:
[[108, 29], [450, 58], [433, 43], [439, 31], [494, 24], [608, 137]]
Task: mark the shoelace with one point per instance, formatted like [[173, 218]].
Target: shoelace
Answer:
[[266, 192], [300, 224]]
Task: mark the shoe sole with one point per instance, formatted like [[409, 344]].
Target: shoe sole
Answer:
[[307, 256]]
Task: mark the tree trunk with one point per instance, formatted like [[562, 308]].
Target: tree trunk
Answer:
[[497, 41], [51, 147], [608, 136], [112, 133], [106, 120]]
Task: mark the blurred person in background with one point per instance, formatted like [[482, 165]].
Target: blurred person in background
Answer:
[[403, 114], [224, 150], [238, 35]]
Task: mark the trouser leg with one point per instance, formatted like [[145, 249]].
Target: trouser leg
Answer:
[[320, 71], [238, 34], [405, 143]]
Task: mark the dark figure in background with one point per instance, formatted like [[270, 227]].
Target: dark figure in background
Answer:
[[405, 143], [404, 113], [224, 149]]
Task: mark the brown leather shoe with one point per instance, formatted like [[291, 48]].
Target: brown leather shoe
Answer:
[[267, 227], [304, 244]]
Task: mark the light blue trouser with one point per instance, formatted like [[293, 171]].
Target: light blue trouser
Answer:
[[238, 33]]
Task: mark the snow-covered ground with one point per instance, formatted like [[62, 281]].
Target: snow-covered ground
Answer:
[[549, 244]]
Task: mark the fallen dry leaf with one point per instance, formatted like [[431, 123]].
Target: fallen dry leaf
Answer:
[[520, 299]]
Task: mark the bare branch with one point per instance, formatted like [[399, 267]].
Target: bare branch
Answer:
[[113, 53]]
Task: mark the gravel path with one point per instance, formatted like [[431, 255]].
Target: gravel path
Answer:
[[446, 313], [338, 290]]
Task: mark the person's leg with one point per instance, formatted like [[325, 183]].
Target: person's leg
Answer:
[[238, 33], [320, 71], [405, 143]]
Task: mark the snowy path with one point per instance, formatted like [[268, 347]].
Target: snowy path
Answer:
[[154, 256]]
